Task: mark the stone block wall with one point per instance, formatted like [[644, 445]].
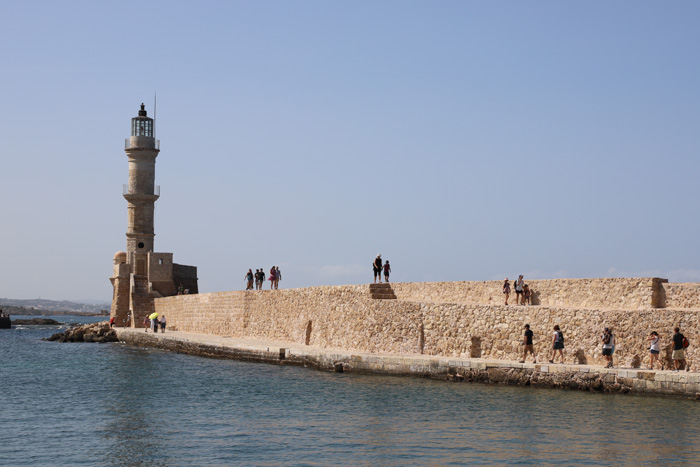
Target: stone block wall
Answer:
[[682, 295], [345, 317], [628, 293]]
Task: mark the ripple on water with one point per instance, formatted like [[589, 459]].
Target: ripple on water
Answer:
[[111, 404]]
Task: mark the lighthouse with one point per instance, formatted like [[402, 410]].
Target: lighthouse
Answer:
[[140, 275], [141, 193]]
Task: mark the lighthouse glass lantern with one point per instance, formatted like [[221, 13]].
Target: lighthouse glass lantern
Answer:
[[142, 125]]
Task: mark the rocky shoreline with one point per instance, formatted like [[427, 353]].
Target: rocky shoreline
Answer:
[[96, 332]]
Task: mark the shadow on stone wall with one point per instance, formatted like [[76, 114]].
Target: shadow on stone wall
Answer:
[[580, 357], [475, 349], [535, 297], [309, 327]]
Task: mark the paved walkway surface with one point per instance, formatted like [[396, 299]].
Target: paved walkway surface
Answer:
[[270, 346]]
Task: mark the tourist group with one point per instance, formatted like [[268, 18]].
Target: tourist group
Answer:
[[523, 294], [679, 344], [154, 322], [259, 278]]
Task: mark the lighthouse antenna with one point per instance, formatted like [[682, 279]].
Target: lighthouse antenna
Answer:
[[154, 114]]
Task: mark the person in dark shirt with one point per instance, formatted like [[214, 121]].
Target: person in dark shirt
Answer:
[[678, 354], [377, 268], [528, 346]]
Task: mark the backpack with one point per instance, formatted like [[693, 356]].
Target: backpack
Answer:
[[606, 339], [560, 337], [686, 344]]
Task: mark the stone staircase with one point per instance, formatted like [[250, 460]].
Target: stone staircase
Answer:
[[382, 291]]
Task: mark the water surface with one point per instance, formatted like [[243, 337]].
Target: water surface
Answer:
[[116, 405]]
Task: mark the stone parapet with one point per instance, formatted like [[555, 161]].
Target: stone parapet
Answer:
[[682, 295], [628, 293]]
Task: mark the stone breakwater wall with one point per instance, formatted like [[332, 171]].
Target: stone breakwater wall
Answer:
[[574, 377], [627, 293], [345, 317]]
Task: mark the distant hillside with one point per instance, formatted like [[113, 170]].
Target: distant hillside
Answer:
[[54, 307]]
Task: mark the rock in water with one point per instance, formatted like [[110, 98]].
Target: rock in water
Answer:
[[97, 332], [36, 321]]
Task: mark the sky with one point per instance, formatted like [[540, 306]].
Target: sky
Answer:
[[462, 140]]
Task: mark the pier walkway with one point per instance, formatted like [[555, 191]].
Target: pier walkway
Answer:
[[547, 375]]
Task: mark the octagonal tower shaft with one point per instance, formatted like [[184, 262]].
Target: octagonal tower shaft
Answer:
[[141, 193]]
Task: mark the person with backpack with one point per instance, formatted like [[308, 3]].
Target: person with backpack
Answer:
[[680, 343], [608, 345], [519, 299], [557, 344], [377, 268]]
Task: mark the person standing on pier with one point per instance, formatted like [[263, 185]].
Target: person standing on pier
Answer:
[[377, 268], [679, 345], [608, 345], [654, 348], [519, 300], [529, 346], [162, 323]]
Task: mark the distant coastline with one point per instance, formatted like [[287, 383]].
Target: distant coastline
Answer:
[[43, 307]]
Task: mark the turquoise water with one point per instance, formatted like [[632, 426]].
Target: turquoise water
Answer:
[[116, 405]]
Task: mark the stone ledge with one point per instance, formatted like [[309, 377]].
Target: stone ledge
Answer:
[[576, 377]]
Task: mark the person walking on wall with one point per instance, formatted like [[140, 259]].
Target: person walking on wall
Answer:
[[257, 279], [528, 345], [608, 345], [249, 280], [654, 348], [278, 277], [272, 277], [557, 344], [387, 271], [377, 268], [506, 289], [262, 278], [679, 345], [519, 300], [162, 323]]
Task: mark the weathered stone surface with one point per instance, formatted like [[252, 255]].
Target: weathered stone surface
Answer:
[[97, 332], [345, 317]]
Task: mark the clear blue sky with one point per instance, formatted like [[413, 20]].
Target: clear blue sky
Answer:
[[462, 140]]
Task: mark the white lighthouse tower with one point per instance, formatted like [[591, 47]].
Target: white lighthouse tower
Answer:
[[141, 275]]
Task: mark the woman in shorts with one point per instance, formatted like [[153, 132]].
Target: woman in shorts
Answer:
[[506, 289], [654, 348], [557, 344]]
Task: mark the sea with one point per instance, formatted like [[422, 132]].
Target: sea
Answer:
[[117, 405]]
